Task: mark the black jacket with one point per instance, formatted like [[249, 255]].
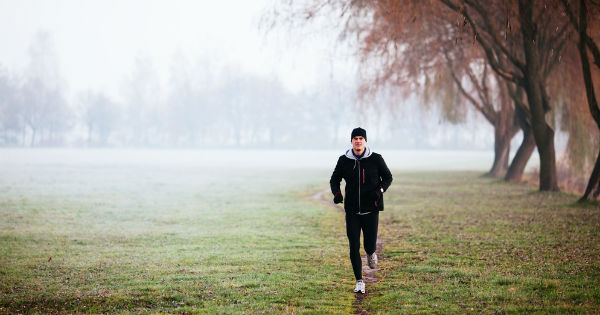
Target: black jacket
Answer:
[[363, 178]]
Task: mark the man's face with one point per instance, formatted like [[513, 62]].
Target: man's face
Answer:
[[358, 143]]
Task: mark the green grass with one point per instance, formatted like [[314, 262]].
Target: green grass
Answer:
[[175, 240], [458, 243], [151, 240]]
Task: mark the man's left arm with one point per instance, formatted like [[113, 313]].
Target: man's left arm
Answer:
[[384, 174]]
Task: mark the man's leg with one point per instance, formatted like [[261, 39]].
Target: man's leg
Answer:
[[353, 232], [369, 225]]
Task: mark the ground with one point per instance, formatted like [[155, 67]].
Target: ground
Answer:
[[152, 239]]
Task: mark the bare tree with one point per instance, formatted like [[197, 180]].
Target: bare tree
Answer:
[[44, 107], [100, 116], [11, 125], [144, 110]]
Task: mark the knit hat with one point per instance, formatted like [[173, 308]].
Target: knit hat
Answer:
[[358, 132]]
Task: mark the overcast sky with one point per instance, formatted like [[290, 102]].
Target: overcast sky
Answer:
[[97, 41]]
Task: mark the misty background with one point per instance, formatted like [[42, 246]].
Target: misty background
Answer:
[[188, 74]]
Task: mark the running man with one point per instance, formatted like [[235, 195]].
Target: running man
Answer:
[[367, 178]]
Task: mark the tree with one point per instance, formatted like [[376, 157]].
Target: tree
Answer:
[[523, 51], [527, 59], [10, 123], [44, 107], [433, 58], [99, 114], [581, 13], [522, 116], [186, 114], [144, 111]]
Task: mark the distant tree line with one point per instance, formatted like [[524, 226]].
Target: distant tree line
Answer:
[[201, 107]]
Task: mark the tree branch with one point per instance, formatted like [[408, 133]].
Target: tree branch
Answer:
[[493, 61], [587, 75], [482, 109], [491, 31], [519, 101], [587, 39]]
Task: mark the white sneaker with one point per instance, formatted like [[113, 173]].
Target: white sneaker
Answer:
[[360, 287], [372, 261]]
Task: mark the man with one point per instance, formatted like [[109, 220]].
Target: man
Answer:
[[367, 178]]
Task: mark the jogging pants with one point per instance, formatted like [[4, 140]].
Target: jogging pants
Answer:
[[368, 224]]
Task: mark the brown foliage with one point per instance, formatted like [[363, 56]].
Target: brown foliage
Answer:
[[574, 115], [439, 49]]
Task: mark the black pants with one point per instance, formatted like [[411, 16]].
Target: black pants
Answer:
[[368, 224]]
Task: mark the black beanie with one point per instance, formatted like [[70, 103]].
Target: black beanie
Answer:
[[358, 132]]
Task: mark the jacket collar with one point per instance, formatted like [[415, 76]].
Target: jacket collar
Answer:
[[352, 157]]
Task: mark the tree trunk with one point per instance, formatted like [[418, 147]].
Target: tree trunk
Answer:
[[32, 137], [505, 129], [534, 86], [592, 191], [593, 187], [24, 136], [519, 162], [501, 151], [544, 138], [89, 140]]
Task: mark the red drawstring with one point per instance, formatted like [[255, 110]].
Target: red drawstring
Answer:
[[363, 175]]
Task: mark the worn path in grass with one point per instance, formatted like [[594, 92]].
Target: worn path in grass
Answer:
[[369, 275]]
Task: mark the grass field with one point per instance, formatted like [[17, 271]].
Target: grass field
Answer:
[[149, 239], [458, 243]]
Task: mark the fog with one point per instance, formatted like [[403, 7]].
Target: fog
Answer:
[[398, 160], [189, 74]]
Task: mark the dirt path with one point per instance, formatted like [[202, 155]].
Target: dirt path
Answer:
[[369, 275]]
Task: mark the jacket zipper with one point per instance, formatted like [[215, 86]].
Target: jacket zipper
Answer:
[[359, 186]]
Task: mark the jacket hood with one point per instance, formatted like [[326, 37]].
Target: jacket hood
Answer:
[[351, 156]]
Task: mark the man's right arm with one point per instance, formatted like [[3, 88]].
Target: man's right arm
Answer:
[[336, 178]]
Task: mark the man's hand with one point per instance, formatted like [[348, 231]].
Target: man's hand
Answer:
[[338, 198], [376, 194]]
